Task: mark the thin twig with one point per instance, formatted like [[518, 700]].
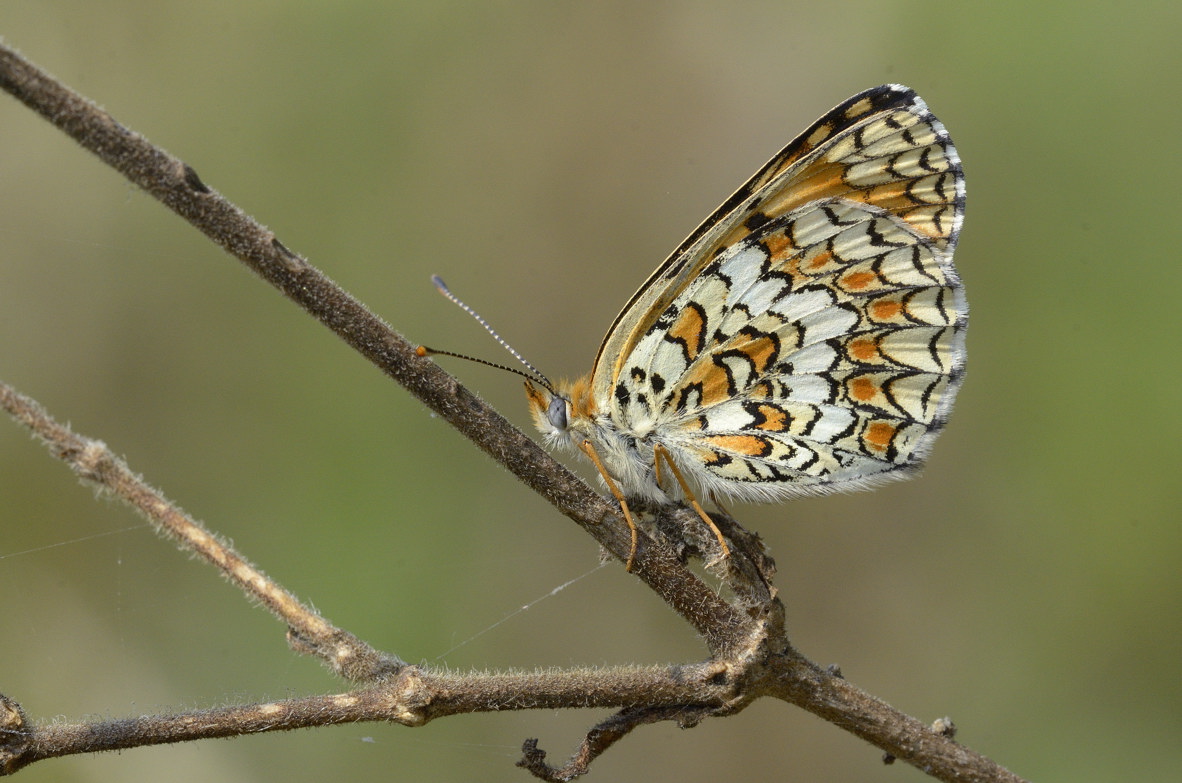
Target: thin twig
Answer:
[[94, 463], [412, 697], [600, 738]]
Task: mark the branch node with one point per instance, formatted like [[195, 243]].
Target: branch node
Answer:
[[944, 727], [193, 181], [14, 736], [412, 698]]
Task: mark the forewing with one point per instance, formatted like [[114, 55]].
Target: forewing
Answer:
[[881, 147]]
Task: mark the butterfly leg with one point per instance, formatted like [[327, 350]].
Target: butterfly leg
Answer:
[[659, 453], [589, 450]]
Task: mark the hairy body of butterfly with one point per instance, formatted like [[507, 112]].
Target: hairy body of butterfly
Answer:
[[807, 337]]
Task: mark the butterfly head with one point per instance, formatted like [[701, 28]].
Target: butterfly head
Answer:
[[562, 412]]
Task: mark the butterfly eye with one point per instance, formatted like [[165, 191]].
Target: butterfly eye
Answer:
[[557, 413]]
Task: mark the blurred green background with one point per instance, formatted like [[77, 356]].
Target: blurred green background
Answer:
[[544, 157]]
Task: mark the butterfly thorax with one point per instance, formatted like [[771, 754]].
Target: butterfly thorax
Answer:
[[570, 416]]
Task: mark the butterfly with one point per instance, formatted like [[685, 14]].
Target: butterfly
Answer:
[[808, 337]]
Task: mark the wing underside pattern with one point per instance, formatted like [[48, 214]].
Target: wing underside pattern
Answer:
[[822, 348], [810, 334]]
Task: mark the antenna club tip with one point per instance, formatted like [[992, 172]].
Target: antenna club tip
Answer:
[[437, 281], [423, 350]]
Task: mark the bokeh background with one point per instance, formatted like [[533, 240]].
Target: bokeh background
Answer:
[[544, 157]]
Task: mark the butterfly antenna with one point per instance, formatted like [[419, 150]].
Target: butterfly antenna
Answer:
[[537, 374]]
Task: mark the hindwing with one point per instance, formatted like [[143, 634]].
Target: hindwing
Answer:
[[881, 148]]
